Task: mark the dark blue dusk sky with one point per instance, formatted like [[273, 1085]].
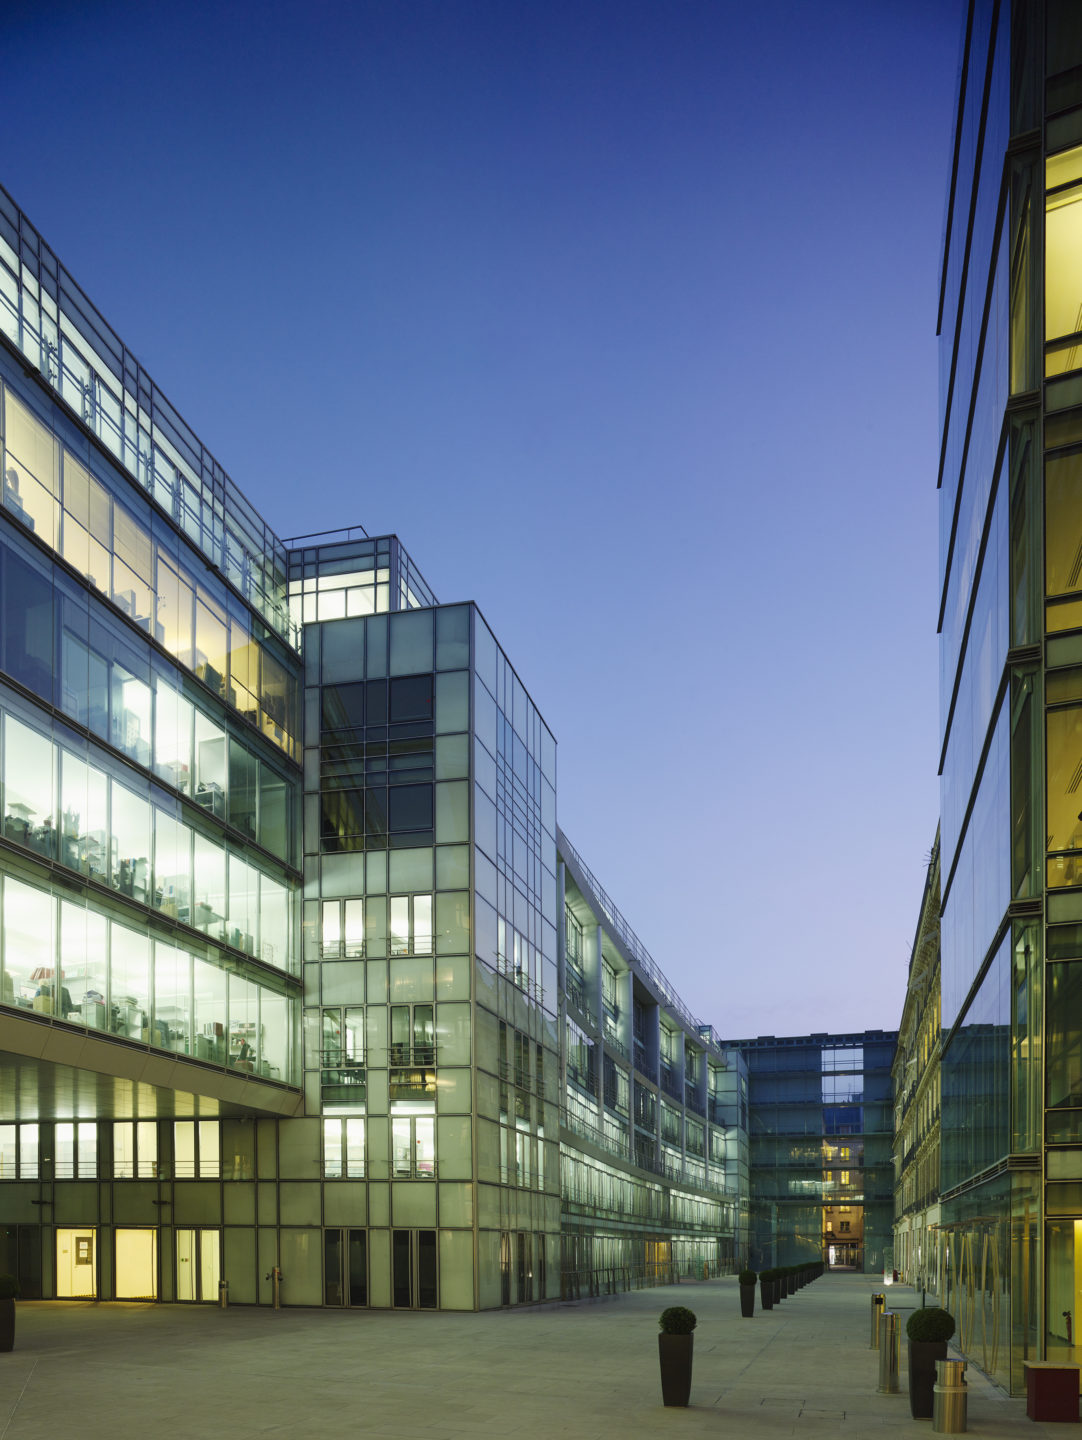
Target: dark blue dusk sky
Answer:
[[621, 316]]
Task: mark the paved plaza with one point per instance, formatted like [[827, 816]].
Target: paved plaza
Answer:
[[184, 1373]]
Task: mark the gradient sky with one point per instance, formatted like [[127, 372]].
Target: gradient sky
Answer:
[[621, 315]]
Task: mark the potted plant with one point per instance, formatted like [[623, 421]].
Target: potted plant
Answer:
[[766, 1289], [674, 1346], [927, 1331], [9, 1290], [747, 1293]]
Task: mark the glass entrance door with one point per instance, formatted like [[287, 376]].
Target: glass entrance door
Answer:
[[136, 1264], [20, 1255], [414, 1269], [345, 1267], [77, 1264], [198, 1265]]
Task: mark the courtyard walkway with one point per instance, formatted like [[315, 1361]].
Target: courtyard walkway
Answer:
[[86, 1372]]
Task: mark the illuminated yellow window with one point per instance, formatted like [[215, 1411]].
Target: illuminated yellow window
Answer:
[[1063, 248]]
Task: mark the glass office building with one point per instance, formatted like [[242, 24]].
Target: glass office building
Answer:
[[1010, 486], [297, 972], [654, 1152], [920, 1242], [820, 1124]]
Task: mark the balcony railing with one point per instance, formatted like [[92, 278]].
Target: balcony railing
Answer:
[[586, 1079], [645, 1113], [342, 1081], [339, 949], [577, 1125], [521, 1078], [575, 989], [721, 1113], [634, 945], [415, 1170], [520, 977], [695, 1175], [692, 1101], [613, 1041], [405, 1054]]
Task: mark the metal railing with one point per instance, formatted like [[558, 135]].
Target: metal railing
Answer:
[[613, 1041], [615, 1145], [575, 991], [418, 1170], [698, 1176], [635, 946], [341, 949], [586, 1079], [722, 1114], [415, 1055], [520, 977], [692, 1101], [521, 1078]]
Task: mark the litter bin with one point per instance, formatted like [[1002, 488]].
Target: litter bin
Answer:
[[878, 1302], [950, 1405], [890, 1340], [223, 1294]]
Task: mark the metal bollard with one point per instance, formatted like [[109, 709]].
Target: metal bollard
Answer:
[[878, 1302], [950, 1403], [275, 1276], [223, 1294], [890, 1344]]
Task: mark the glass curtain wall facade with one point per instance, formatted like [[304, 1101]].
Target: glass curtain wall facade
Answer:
[[821, 1135], [297, 973], [920, 1243], [653, 1125], [1011, 657], [150, 799]]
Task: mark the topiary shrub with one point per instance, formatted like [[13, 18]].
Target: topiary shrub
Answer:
[[677, 1320], [748, 1277], [930, 1323], [9, 1287]]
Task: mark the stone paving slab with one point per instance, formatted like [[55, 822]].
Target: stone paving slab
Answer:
[[587, 1371]]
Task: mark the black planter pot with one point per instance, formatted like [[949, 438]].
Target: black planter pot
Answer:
[[675, 1352], [922, 1357], [747, 1301], [766, 1294], [7, 1324]]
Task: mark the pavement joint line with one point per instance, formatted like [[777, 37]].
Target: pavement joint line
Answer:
[[18, 1400]]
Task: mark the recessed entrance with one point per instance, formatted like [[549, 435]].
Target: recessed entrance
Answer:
[[76, 1264], [345, 1267], [198, 1265], [136, 1264]]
